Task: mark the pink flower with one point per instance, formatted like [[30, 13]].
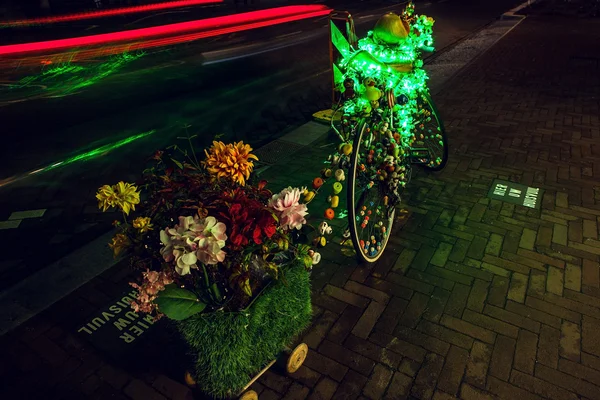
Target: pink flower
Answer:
[[193, 239], [289, 210]]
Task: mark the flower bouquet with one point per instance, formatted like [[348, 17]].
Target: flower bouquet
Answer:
[[217, 256]]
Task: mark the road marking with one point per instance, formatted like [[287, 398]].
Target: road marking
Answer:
[[19, 215], [9, 224]]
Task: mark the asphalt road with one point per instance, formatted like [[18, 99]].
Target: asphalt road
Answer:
[[254, 98]]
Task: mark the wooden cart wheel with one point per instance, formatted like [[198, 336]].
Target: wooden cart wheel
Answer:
[[249, 395], [296, 358]]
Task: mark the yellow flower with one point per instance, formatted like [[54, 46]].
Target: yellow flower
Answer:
[[107, 197], [232, 161], [127, 195], [122, 195], [119, 243], [143, 224]]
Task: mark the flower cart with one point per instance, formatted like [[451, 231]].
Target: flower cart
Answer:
[[218, 258]]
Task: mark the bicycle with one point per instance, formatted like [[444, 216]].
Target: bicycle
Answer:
[[388, 124]]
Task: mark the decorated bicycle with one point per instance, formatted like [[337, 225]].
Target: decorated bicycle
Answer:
[[387, 124]]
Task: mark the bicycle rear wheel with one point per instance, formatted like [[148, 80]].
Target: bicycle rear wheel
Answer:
[[430, 135], [370, 210]]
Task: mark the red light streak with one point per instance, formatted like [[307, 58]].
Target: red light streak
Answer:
[[209, 27], [108, 13]]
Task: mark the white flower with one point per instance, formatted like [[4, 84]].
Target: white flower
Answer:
[[287, 205]]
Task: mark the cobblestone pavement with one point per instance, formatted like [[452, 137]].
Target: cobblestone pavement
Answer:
[[474, 298]]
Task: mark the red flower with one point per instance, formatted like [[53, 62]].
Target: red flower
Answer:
[[247, 219]]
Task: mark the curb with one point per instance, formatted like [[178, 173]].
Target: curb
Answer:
[[513, 13]]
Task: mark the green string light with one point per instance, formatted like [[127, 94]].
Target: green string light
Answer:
[[377, 60]]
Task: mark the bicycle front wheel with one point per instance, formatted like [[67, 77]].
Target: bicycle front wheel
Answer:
[[430, 134], [370, 209]]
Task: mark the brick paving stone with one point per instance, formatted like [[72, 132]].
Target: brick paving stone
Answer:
[[319, 330], [423, 257], [351, 386], [450, 276], [553, 309], [570, 341], [329, 303], [540, 387], [409, 367], [468, 329], [548, 346], [468, 392], [325, 365], [453, 370], [344, 324], [391, 289], [477, 248], [324, 390], [470, 270], [502, 357], [555, 281], [389, 318], [367, 291], [441, 254], [580, 371], [399, 346], [436, 305], [430, 279], [410, 283], [404, 260], [425, 381], [348, 358], [573, 277], [346, 297], [371, 350], [414, 310], [567, 381], [306, 376], [378, 382], [498, 291], [528, 239], [525, 352], [512, 318], [275, 381], [420, 339], [458, 300], [297, 392], [367, 321], [508, 391], [478, 363], [559, 235], [399, 387], [590, 341], [478, 295], [494, 245], [590, 229], [459, 250], [534, 314], [591, 273], [445, 334], [518, 287]]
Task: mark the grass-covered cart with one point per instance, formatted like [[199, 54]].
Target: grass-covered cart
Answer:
[[219, 257]]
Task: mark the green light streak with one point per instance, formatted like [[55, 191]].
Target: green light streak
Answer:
[[97, 152], [68, 78]]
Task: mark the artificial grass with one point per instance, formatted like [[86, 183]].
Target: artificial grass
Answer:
[[230, 348]]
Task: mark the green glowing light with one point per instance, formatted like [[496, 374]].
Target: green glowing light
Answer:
[[68, 78], [100, 151], [395, 67]]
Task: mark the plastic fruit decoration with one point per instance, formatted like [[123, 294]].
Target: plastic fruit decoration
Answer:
[[391, 29]]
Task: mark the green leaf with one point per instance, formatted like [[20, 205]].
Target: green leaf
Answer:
[[177, 303], [177, 163]]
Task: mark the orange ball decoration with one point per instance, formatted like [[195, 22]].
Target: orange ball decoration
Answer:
[[317, 183], [329, 213]]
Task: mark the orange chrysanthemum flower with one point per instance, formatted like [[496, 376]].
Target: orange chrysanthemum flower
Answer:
[[232, 161]]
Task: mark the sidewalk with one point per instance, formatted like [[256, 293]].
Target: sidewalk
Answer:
[[475, 298]]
